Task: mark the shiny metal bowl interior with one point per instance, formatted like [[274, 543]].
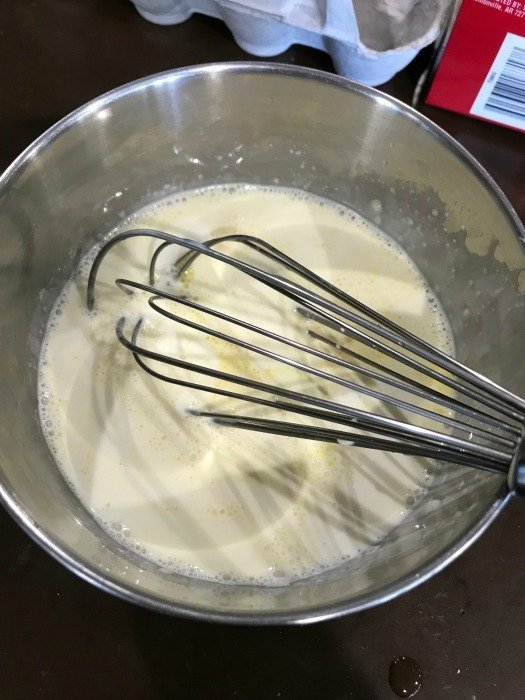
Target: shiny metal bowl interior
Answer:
[[261, 124]]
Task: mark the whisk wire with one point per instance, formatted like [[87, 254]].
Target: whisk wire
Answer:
[[364, 420], [400, 336], [494, 431], [420, 391]]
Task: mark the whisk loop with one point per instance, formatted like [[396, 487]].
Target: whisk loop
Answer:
[[481, 425]]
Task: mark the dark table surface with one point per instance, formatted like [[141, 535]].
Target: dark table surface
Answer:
[[61, 637]]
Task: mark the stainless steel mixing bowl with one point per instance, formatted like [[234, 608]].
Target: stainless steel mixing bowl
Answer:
[[262, 124]]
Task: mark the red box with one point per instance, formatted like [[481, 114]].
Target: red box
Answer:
[[482, 69]]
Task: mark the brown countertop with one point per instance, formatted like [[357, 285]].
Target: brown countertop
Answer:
[[61, 637]]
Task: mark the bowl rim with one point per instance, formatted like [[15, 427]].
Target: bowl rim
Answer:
[[66, 555]]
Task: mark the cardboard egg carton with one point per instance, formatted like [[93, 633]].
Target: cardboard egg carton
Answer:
[[368, 40]]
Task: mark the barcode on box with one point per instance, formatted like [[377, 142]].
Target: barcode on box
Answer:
[[502, 95]]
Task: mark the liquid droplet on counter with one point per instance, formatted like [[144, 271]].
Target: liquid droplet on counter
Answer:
[[405, 676]]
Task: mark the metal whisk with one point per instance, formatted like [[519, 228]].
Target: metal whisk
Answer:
[[481, 425]]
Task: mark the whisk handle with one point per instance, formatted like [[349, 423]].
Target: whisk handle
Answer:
[[517, 470]]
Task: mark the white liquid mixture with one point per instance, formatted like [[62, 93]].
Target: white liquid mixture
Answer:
[[210, 501]]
